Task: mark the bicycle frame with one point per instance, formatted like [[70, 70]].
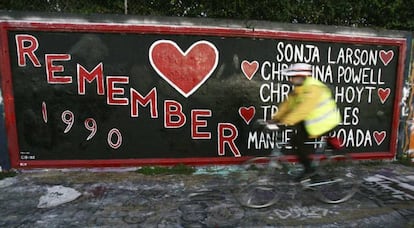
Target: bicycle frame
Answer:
[[277, 160]]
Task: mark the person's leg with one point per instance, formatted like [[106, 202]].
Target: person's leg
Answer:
[[302, 150]]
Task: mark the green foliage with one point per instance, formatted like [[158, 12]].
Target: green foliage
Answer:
[[66, 6], [406, 162], [405, 159], [177, 169], [397, 14], [7, 174]]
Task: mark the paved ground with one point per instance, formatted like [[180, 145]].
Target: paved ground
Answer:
[[122, 198]]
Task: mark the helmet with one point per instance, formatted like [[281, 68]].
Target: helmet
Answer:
[[299, 69]]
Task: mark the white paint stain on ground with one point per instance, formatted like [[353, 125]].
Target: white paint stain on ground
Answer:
[[300, 213], [218, 170], [410, 177], [405, 189], [7, 182], [57, 195]]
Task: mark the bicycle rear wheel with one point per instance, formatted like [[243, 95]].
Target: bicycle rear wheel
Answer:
[[335, 181]]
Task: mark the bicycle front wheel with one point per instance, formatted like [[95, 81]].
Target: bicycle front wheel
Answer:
[[257, 168], [336, 181], [258, 194], [256, 182]]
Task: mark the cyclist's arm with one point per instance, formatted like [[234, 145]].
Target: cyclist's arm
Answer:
[[309, 101], [283, 109]]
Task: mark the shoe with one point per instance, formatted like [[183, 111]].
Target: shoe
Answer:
[[305, 175]]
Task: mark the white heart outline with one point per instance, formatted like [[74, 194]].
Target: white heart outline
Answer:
[[249, 63], [382, 90], [379, 133], [386, 53], [247, 109], [186, 95]]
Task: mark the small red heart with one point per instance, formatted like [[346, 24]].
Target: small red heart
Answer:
[[386, 57], [383, 94], [185, 71], [249, 68], [379, 136], [247, 113]]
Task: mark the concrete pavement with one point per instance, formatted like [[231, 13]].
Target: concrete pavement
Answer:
[[124, 198]]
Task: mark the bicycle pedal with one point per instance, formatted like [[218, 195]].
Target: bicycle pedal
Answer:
[[305, 181]]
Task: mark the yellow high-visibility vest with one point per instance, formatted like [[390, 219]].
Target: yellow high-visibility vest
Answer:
[[325, 116]]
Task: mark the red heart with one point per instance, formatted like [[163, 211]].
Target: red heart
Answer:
[[247, 113], [379, 136], [249, 68], [383, 94], [185, 71], [386, 57]]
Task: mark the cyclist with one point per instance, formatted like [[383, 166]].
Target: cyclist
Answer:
[[310, 109]]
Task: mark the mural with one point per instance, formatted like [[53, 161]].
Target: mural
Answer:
[[407, 141], [105, 95]]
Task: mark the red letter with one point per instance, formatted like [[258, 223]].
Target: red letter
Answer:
[[112, 91], [173, 109], [83, 75], [196, 123], [52, 69], [222, 139], [29, 50], [150, 98]]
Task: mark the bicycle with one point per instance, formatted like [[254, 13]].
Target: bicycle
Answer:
[[262, 180]]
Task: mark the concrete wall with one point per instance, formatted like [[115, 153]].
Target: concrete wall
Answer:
[[114, 90]]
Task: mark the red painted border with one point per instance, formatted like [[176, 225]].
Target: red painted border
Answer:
[[194, 30], [181, 30], [8, 98], [167, 162]]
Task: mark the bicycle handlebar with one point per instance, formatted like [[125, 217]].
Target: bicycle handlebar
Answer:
[[268, 124]]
